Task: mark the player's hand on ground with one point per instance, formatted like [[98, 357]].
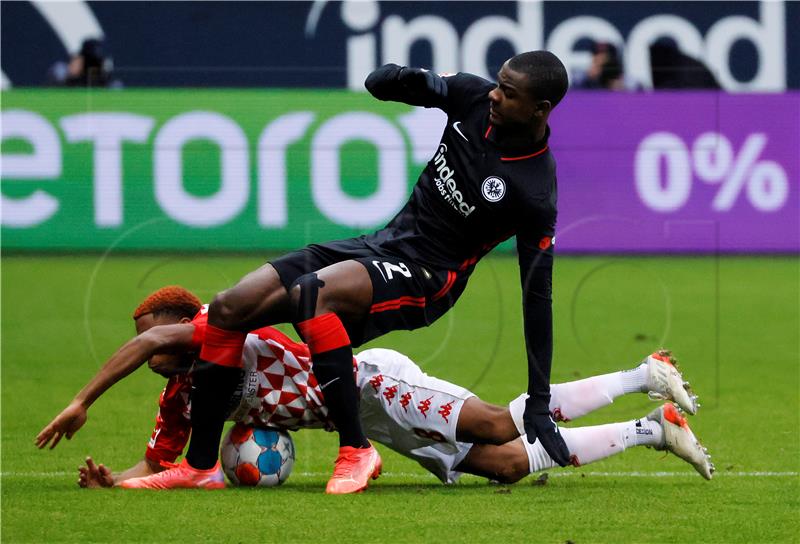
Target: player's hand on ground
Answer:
[[66, 424], [540, 426], [419, 78], [93, 475]]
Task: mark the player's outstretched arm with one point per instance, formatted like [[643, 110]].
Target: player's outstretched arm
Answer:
[[93, 475], [536, 272], [414, 86], [160, 339]]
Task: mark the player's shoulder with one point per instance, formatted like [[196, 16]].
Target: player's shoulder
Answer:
[[465, 79], [202, 315], [466, 88], [534, 174], [200, 322], [534, 188], [176, 390]]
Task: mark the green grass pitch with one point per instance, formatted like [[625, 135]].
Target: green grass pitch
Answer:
[[733, 323]]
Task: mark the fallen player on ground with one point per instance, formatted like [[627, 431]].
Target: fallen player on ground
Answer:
[[442, 426]]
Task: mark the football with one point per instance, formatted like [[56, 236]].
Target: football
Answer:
[[253, 456]]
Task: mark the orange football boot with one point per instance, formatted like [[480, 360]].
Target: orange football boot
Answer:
[[177, 476], [354, 467]]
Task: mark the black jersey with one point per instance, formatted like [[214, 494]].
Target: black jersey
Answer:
[[476, 192]]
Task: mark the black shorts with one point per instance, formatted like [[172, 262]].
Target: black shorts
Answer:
[[405, 294]]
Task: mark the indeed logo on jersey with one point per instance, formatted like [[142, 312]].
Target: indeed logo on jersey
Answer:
[[447, 185]]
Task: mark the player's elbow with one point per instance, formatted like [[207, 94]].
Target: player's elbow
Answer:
[[151, 341]]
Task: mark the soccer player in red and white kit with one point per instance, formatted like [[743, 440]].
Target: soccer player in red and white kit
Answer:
[[492, 177], [442, 426]]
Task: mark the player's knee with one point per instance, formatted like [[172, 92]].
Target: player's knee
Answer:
[[294, 295], [515, 469], [226, 310]]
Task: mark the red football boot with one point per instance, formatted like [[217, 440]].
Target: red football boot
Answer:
[[179, 476], [354, 467]]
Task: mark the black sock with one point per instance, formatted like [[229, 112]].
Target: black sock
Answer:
[[212, 388], [334, 372]]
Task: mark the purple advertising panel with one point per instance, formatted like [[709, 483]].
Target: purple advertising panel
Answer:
[[682, 172]]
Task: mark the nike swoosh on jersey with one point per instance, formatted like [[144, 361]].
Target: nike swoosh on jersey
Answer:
[[321, 387], [455, 126]]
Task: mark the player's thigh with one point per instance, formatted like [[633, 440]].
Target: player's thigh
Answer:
[[484, 423], [258, 299], [346, 290]]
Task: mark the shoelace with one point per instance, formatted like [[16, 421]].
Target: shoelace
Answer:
[[344, 465], [167, 465]]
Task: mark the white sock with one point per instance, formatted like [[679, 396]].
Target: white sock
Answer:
[[635, 379], [572, 400], [537, 457], [517, 409], [590, 444], [643, 432]]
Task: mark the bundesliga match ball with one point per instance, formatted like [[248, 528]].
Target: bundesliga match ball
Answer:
[[253, 456]]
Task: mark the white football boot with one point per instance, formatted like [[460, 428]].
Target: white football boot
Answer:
[[664, 381], [680, 440]]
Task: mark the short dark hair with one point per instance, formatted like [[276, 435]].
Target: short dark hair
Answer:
[[546, 74]]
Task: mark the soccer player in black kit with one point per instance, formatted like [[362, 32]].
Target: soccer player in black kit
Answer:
[[492, 177]]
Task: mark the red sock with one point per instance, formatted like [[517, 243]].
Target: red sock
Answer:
[[223, 347], [332, 364], [323, 333]]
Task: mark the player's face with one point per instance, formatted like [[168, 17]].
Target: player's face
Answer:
[[512, 103], [165, 364]]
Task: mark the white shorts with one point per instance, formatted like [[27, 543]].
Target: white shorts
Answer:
[[410, 412]]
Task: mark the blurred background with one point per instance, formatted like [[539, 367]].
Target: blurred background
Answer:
[[245, 125]]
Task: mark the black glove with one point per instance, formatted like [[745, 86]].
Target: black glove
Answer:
[[425, 81], [540, 425]]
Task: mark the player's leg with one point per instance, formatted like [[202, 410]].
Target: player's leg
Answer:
[[326, 304], [258, 299], [325, 301], [507, 463], [344, 304], [656, 375], [662, 429], [482, 423]]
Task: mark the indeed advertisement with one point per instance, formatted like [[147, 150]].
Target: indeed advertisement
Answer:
[[749, 46], [274, 170]]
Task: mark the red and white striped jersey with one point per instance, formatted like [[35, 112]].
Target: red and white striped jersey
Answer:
[[278, 389]]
